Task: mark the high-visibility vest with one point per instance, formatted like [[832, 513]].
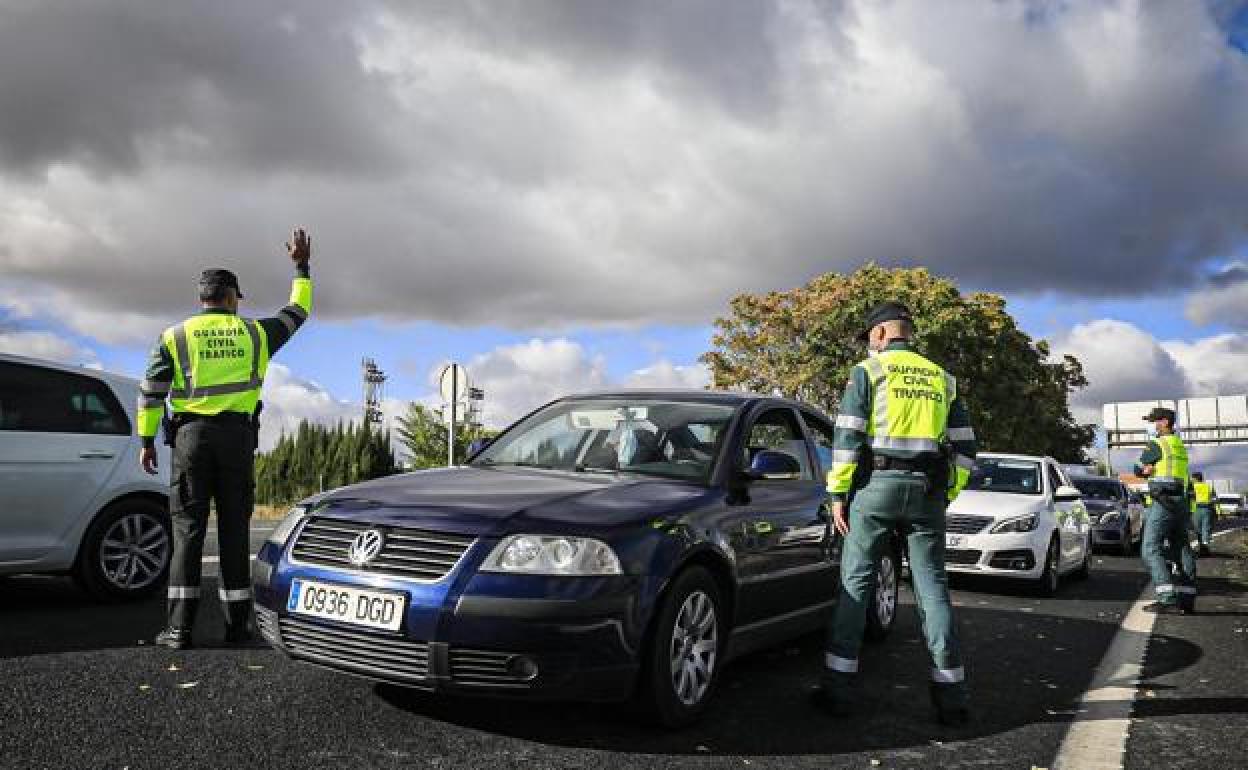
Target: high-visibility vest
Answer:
[[219, 360], [1203, 491], [910, 400], [1172, 467]]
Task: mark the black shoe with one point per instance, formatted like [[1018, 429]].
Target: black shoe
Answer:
[[832, 702], [949, 702], [1161, 608], [1204, 551], [239, 634], [174, 638]]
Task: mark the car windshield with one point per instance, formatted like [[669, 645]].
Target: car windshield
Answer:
[[674, 439], [1017, 477], [1099, 489]]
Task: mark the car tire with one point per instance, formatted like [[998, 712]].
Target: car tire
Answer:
[[1049, 579], [678, 679], [126, 551], [882, 610]]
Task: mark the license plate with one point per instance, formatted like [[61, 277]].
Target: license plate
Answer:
[[955, 541], [347, 604]]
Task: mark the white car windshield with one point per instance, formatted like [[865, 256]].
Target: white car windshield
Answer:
[[676, 439], [1017, 477]]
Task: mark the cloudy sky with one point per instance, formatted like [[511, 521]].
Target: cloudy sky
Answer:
[[565, 194]]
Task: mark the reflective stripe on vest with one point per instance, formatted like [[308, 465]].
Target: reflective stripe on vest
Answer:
[[220, 363], [1173, 464], [910, 398]]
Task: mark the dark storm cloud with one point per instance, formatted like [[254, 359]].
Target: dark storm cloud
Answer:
[[254, 85], [546, 164]]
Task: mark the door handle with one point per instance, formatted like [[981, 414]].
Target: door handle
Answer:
[[97, 454]]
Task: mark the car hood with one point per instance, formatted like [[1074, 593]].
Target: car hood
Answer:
[[502, 501], [999, 505]]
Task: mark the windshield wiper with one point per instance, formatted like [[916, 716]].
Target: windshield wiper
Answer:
[[517, 464]]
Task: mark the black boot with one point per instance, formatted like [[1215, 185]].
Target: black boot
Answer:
[[239, 634], [951, 704], [1204, 551], [174, 638], [1161, 608], [834, 696]]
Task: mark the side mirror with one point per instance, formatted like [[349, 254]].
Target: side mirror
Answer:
[[1067, 494], [774, 466], [478, 445]]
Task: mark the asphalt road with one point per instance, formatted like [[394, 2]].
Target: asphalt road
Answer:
[[81, 686]]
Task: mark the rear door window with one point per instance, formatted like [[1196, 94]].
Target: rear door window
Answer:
[[39, 400]]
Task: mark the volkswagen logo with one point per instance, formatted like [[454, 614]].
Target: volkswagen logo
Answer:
[[365, 547]]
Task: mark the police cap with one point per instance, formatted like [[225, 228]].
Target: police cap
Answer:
[[219, 276], [883, 312], [1161, 413]]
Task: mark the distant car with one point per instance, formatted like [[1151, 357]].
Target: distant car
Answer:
[[1231, 505], [1019, 518], [604, 546], [73, 499], [1117, 512]]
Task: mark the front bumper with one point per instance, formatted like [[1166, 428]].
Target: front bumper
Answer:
[[483, 634], [1018, 555], [1109, 534]]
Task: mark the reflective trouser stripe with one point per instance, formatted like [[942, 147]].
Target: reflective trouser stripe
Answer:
[[237, 595], [949, 675], [183, 592], [961, 434], [1172, 589], [840, 665]]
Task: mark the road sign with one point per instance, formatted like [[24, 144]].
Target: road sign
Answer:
[[1213, 421], [453, 382]]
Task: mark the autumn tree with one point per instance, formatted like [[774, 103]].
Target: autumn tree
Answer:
[[802, 343]]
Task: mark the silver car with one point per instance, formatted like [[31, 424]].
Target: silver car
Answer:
[[1117, 513], [73, 499]]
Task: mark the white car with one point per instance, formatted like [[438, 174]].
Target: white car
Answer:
[[73, 499], [1021, 518]]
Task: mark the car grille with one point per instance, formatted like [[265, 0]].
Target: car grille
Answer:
[[385, 657], [409, 553], [960, 524], [484, 667], [963, 556]]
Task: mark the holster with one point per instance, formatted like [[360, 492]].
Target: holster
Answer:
[[255, 424]]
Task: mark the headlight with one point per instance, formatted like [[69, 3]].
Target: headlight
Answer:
[[1020, 524], [1111, 518], [288, 524], [542, 555]]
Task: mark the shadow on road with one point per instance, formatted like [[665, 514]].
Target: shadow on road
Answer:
[[1025, 668]]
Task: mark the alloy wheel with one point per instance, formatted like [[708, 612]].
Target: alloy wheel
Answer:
[[134, 551], [695, 639]]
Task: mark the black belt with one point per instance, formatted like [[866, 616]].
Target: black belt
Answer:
[[223, 418], [916, 465]]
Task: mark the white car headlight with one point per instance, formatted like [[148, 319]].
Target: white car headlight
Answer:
[[546, 555], [288, 524], [1026, 523]]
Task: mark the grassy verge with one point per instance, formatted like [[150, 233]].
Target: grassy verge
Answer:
[[269, 512]]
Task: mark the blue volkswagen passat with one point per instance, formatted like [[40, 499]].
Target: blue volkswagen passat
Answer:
[[605, 546]]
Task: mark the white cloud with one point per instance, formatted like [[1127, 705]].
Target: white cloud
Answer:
[[48, 346], [290, 399], [665, 374], [1122, 363]]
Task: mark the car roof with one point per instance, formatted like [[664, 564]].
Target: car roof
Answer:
[[728, 397], [1008, 456], [111, 377]]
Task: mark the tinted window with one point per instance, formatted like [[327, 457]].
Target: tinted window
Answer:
[[1018, 477], [821, 435], [1100, 489], [777, 430], [48, 401]]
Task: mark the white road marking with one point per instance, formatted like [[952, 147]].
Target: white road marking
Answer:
[[1097, 738]]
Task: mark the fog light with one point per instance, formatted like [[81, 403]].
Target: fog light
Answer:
[[522, 667]]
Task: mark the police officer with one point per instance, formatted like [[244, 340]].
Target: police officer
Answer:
[[1203, 499], [211, 368], [1164, 463], [899, 417]]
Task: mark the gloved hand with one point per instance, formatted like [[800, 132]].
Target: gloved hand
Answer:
[[299, 247]]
